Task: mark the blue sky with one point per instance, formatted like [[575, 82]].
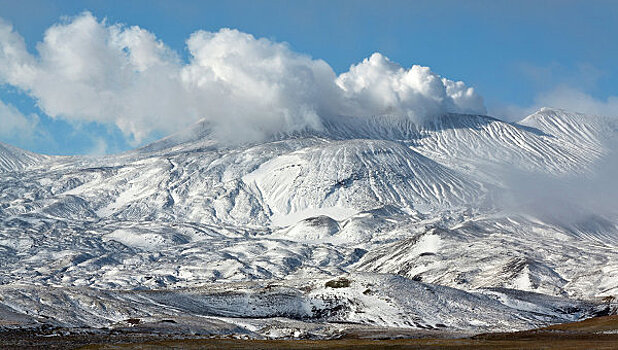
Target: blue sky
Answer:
[[518, 55]]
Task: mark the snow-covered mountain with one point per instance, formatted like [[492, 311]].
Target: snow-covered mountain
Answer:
[[15, 159], [377, 222]]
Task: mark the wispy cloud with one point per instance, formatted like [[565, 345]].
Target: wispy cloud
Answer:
[[547, 77], [567, 200], [576, 100], [559, 86], [16, 127]]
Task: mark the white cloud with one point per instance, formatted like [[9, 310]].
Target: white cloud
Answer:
[[262, 87], [17, 65], [464, 98], [378, 86], [87, 71], [248, 88]]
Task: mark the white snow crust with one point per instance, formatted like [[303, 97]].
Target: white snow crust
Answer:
[[246, 239]]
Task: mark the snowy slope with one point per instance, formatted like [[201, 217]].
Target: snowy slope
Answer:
[[482, 146], [573, 130], [511, 252], [407, 212], [358, 174], [15, 159], [282, 308]]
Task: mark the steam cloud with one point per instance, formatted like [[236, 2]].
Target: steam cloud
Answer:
[[248, 88]]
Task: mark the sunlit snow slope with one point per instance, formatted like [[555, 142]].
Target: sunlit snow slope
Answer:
[[15, 159], [377, 222]]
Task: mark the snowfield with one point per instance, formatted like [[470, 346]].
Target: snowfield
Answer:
[[370, 223]]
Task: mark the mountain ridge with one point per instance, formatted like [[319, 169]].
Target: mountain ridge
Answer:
[[380, 203]]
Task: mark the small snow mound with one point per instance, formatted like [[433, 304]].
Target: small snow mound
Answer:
[[312, 229], [146, 241]]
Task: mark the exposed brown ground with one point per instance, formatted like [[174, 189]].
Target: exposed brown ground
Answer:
[[556, 343], [595, 333]]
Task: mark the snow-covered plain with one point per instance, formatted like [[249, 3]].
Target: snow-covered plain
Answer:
[[372, 222]]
